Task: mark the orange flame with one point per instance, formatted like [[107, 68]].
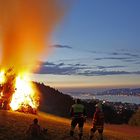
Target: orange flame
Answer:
[[2, 79], [24, 95], [25, 30]]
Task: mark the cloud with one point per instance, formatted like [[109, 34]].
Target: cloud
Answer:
[[124, 59], [90, 51], [113, 58], [137, 72], [80, 69], [115, 53], [103, 73], [108, 73], [78, 65], [118, 53], [61, 64], [62, 46], [137, 63], [126, 54], [130, 60], [57, 70], [60, 68], [132, 55], [108, 67], [47, 63]]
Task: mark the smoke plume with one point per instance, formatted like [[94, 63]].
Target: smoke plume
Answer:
[[25, 30]]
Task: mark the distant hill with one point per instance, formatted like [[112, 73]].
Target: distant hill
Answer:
[[53, 101], [122, 91], [116, 91]]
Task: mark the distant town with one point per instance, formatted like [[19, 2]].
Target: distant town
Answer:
[[121, 91], [118, 106]]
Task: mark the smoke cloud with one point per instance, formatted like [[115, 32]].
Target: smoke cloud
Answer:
[[25, 30]]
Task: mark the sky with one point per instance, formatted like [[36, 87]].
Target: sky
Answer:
[[96, 45]]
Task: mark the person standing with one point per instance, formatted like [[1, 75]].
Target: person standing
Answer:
[[98, 122], [78, 115]]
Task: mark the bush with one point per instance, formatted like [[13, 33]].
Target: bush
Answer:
[[135, 119]]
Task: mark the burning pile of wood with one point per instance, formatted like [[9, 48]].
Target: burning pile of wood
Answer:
[[16, 93]]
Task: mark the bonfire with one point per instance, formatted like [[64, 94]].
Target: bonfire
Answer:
[[17, 92], [26, 28]]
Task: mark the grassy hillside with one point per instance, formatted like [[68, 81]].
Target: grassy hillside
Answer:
[[13, 126]]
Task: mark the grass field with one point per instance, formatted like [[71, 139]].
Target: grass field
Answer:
[[13, 126]]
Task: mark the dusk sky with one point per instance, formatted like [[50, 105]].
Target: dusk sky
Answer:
[[96, 45]]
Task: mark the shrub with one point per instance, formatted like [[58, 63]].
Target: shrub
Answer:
[[135, 119]]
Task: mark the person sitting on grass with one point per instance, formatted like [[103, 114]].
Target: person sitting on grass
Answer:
[[34, 132]]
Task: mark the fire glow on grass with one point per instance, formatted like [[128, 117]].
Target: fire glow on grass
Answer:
[[24, 95]]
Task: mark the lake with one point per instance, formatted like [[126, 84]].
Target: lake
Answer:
[[110, 98]]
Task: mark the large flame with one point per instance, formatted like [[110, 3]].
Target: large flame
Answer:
[[25, 30], [25, 95], [18, 92], [26, 27], [2, 79]]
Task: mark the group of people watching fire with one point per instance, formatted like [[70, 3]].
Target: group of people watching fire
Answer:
[[78, 114]]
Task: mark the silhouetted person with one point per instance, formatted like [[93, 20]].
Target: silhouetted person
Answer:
[[34, 131], [78, 114], [98, 122]]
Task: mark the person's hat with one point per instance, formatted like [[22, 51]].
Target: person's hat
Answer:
[[99, 106]]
